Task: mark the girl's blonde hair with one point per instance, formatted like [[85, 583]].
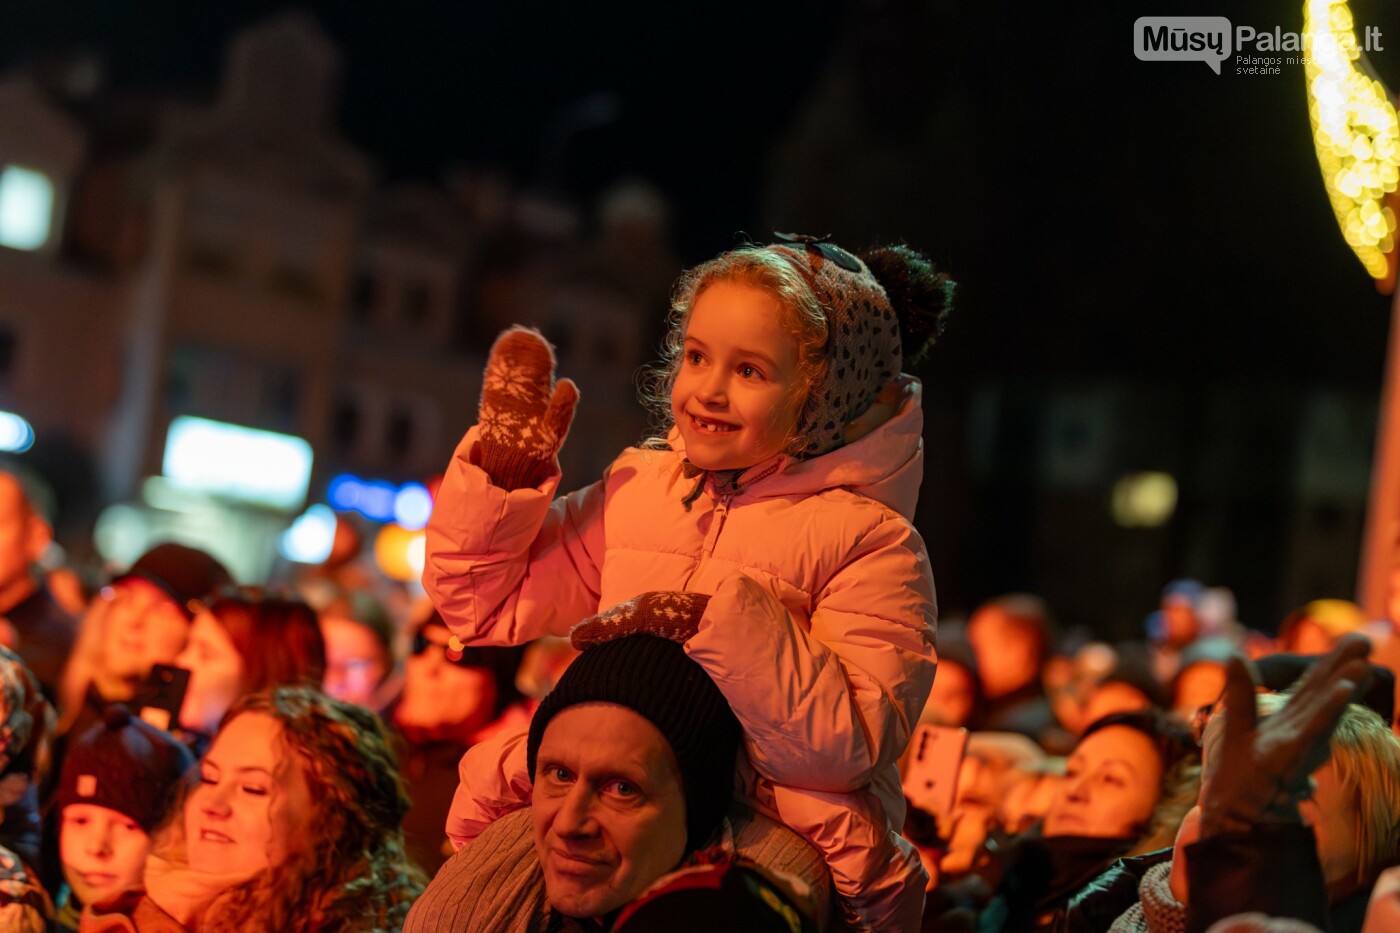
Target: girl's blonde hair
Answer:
[[757, 267]]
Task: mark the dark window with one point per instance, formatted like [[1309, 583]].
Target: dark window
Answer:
[[362, 297], [296, 283], [7, 350], [345, 423], [416, 302], [400, 434], [208, 259]]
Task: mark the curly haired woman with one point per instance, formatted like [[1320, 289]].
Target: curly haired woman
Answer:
[[295, 825]]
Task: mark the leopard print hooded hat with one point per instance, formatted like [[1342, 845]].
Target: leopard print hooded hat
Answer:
[[862, 349]]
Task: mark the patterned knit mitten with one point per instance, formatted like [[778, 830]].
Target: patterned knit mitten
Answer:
[[668, 614], [524, 415]]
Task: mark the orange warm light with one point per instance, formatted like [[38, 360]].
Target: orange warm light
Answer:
[[399, 552]]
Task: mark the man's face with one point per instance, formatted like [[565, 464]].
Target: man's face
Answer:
[[608, 809]]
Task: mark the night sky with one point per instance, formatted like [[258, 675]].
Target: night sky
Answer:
[[1104, 216], [1121, 215]]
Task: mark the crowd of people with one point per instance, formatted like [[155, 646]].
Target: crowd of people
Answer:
[[708, 690]]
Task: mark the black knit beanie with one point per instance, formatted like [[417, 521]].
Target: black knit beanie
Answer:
[[126, 765], [654, 677], [182, 573]]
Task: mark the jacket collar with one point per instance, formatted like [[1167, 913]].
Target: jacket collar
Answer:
[[885, 465]]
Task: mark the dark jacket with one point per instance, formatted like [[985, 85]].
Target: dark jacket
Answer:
[[1094, 907], [1273, 869], [1042, 876]]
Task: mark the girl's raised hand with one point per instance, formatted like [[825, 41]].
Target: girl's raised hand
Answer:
[[524, 415]]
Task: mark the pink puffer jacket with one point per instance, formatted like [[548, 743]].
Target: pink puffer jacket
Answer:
[[820, 630]]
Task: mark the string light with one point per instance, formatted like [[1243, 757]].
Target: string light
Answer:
[[1356, 135]]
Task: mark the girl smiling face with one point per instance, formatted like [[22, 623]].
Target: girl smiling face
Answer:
[[737, 396], [252, 800]]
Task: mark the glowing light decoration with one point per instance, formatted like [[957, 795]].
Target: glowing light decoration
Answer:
[[1355, 133], [1144, 500], [16, 436], [381, 501], [400, 553], [257, 467], [26, 208], [412, 506], [309, 539]]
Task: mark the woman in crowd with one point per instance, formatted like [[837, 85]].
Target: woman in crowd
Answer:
[[139, 620], [1121, 793], [452, 696], [294, 826], [242, 642], [361, 665]]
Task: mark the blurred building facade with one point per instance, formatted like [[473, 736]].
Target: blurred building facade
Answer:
[[238, 260]]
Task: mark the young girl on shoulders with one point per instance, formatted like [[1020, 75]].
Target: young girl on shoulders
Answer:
[[783, 485]]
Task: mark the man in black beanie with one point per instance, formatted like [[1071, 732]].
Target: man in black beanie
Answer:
[[633, 762]]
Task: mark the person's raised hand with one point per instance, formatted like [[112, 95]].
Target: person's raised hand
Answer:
[[1263, 768], [524, 415]]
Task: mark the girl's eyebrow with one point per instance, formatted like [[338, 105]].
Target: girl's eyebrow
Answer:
[[760, 356], [742, 352]]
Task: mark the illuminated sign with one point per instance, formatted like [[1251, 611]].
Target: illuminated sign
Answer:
[[246, 464], [26, 207]]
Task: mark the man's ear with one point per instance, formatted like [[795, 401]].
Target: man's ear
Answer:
[[37, 536]]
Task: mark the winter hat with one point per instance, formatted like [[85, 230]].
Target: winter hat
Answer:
[[126, 765], [25, 721], [1336, 617], [1280, 672], [863, 346], [182, 573], [626, 663]]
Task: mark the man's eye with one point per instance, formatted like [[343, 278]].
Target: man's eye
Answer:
[[625, 789]]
